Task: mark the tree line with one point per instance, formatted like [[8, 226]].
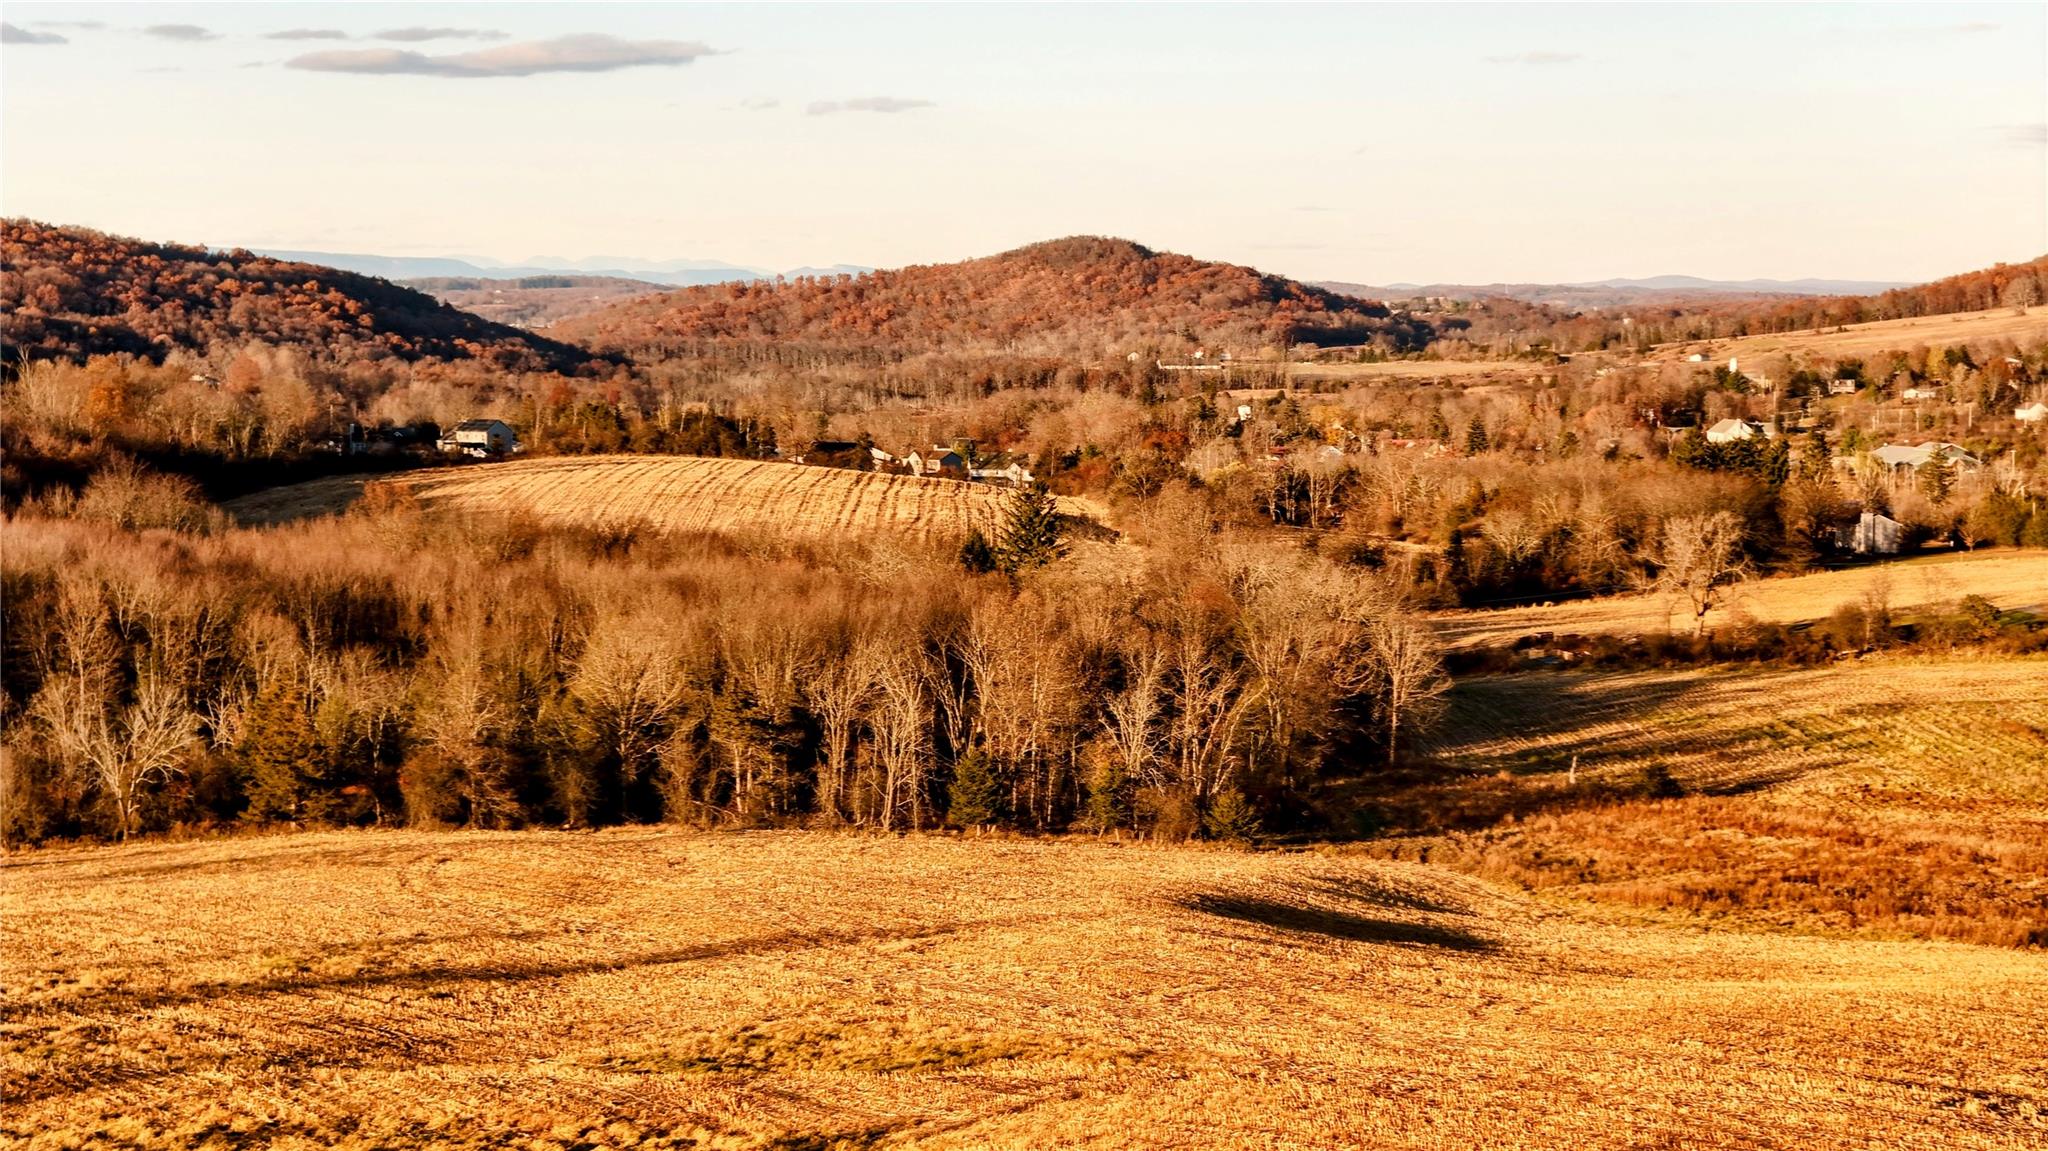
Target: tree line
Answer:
[[385, 667]]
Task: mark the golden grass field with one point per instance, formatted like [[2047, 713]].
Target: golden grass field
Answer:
[[1886, 798], [647, 987], [677, 493], [2011, 579], [2027, 325]]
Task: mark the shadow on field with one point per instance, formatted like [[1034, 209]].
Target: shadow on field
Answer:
[[1333, 924]]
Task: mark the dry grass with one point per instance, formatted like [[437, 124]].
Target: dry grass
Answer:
[[677, 493], [1888, 798], [647, 988], [1465, 372], [2011, 579], [2027, 326]]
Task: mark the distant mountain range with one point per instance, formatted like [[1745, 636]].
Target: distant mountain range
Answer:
[[1621, 292], [671, 273]]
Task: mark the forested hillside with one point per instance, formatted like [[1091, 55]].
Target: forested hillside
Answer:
[[73, 292], [533, 301], [1083, 296]]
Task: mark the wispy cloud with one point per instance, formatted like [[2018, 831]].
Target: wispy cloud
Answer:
[[307, 34], [2033, 135], [865, 104], [81, 25], [1535, 58], [416, 34], [9, 34], [186, 32], [760, 104], [531, 58]]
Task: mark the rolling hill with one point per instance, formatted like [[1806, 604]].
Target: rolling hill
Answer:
[[674, 493], [651, 988], [73, 292], [1087, 296]]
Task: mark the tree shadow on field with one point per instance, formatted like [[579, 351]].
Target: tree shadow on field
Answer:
[[1330, 923]]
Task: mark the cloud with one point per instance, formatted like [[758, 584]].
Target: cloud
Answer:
[[81, 25], [308, 34], [186, 32], [9, 34], [1535, 58], [528, 58], [865, 104], [416, 34], [760, 104], [2033, 135]]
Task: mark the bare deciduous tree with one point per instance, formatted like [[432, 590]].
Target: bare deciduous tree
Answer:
[[1697, 558], [120, 751], [1410, 675]]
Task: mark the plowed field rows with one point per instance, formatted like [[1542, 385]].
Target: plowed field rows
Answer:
[[2011, 580], [1946, 732], [675, 493]]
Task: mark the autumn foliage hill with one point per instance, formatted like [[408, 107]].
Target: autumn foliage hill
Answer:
[[73, 292], [1085, 296]]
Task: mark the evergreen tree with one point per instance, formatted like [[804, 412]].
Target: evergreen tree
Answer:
[[1439, 428], [1935, 480], [976, 555], [1230, 817], [977, 794], [1475, 438], [1032, 535], [280, 757], [1108, 799]]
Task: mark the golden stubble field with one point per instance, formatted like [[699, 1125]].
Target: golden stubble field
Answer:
[[2021, 325], [647, 987], [2012, 579], [673, 493]]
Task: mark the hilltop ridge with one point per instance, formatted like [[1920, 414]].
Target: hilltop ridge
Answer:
[[1080, 295]]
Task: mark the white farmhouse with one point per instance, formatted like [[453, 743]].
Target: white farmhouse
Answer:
[[1730, 431], [2033, 413], [481, 438]]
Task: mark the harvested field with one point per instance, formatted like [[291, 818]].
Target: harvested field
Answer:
[[675, 493], [1889, 798], [2022, 326], [654, 988], [2014, 580]]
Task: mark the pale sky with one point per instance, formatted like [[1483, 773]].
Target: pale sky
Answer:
[[1460, 143]]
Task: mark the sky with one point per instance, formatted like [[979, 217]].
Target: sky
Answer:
[[1374, 144]]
